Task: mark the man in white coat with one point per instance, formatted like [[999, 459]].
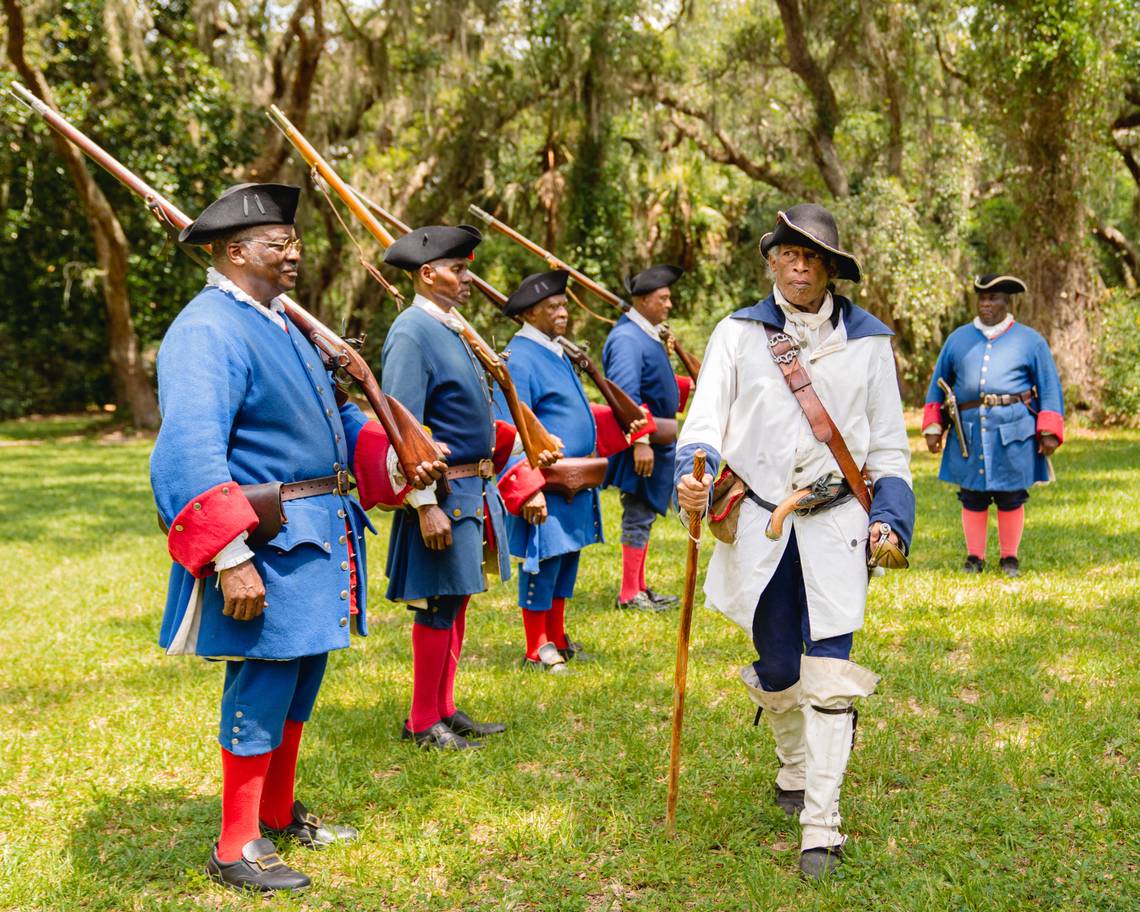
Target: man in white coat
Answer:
[[801, 597]]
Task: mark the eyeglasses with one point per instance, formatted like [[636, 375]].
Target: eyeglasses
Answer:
[[280, 246]]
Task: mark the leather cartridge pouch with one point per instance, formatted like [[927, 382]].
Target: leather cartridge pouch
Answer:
[[728, 494], [266, 502], [665, 433], [570, 475]]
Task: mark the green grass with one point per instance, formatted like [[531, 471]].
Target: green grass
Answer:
[[997, 769]]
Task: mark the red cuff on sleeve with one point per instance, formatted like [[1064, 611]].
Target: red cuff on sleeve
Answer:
[[931, 414], [518, 485], [370, 468], [609, 436], [1051, 423], [650, 425], [207, 524], [685, 388], [504, 442]]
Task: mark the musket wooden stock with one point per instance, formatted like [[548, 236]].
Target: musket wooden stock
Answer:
[[691, 364], [534, 436], [407, 436], [681, 671], [624, 408]]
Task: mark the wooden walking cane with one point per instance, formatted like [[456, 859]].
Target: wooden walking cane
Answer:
[[680, 673]]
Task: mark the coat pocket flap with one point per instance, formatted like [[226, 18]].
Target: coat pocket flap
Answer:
[[307, 522], [459, 506], [1021, 429]]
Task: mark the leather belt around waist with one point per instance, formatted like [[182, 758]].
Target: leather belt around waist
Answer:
[[484, 468], [991, 399], [339, 483]]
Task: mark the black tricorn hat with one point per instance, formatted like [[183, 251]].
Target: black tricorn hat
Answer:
[[535, 289], [660, 276], [810, 225], [432, 242], [995, 281], [243, 206]]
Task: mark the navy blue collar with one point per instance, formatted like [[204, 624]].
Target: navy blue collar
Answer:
[[859, 323]]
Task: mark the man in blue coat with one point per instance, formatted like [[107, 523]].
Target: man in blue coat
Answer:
[[446, 540], [635, 358], [246, 401], [1011, 417], [548, 529]]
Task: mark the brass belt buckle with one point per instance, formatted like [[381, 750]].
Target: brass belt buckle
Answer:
[[343, 482], [486, 468]]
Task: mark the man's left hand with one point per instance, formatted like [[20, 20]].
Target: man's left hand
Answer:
[[1047, 445]]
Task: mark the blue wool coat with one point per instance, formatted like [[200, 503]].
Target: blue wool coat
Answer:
[[429, 369], [244, 402], [549, 385], [640, 366], [1002, 440]]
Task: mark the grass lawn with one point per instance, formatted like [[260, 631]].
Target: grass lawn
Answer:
[[998, 768]]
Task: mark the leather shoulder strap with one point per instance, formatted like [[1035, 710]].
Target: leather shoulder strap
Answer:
[[786, 354]]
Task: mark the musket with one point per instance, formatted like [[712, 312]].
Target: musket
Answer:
[[625, 410], [412, 444], [955, 416], [538, 444], [691, 364]]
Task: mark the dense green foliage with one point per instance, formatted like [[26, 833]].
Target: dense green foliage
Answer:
[[949, 138], [995, 771]]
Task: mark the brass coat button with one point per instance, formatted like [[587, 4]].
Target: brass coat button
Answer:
[[457, 512]]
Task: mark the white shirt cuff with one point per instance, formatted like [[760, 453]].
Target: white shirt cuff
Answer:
[[236, 552], [932, 429], [421, 498]]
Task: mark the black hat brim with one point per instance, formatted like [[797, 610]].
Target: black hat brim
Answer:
[[789, 233], [535, 289], [430, 243], [240, 207], [649, 280], [1002, 284]]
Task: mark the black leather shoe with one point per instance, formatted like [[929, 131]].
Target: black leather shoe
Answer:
[[669, 601], [259, 869], [1010, 567], [463, 724], [816, 864], [640, 602], [973, 564], [438, 737], [790, 801], [311, 832], [574, 650], [549, 660]]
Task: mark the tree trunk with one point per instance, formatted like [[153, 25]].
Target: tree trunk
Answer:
[[134, 391]]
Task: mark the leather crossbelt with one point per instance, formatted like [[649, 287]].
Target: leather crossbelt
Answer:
[[786, 354], [484, 468], [991, 399], [339, 483]]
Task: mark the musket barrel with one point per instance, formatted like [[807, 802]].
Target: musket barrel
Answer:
[[581, 278]]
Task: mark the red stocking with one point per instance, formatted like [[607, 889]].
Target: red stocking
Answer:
[[429, 659], [243, 779], [445, 695], [632, 569], [556, 623], [974, 526], [277, 796]]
